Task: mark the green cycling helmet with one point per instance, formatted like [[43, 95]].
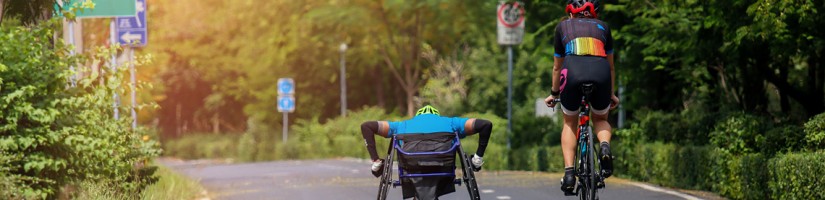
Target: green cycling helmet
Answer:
[[427, 110]]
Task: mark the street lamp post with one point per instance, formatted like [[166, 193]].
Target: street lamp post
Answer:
[[343, 50]]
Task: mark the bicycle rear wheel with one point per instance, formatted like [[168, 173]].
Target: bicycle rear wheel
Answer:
[[469, 176]]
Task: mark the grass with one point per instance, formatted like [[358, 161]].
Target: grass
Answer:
[[172, 186]]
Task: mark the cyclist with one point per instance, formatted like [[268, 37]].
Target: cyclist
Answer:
[[427, 121], [583, 53]]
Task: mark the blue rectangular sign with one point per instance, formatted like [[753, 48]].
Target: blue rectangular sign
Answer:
[[132, 30]]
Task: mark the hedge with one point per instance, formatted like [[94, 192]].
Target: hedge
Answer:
[[748, 176], [797, 176]]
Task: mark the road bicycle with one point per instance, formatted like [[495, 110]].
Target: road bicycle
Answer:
[[589, 181]]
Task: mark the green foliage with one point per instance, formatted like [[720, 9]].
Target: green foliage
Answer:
[[815, 132], [199, 146], [537, 158], [739, 134], [797, 176], [172, 185], [53, 134], [783, 139], [311, 139]]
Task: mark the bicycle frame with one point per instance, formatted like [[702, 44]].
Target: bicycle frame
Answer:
[[585, 168]]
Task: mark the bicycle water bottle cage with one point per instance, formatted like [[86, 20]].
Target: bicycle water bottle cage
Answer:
[[587, 88]]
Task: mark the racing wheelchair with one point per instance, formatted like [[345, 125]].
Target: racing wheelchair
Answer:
[[426, 155]]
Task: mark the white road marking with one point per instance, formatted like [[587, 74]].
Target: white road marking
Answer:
[[503, 197], [657, 189], [487, 191]]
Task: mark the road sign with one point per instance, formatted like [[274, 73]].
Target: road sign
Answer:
[[510, 18], [286, 86], [102, 8], [132, 30], [286, 103]]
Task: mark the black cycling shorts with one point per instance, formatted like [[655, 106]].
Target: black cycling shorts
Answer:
[[577, 70]]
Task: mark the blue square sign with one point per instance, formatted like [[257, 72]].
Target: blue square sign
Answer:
[[132, 30], [286, 103]]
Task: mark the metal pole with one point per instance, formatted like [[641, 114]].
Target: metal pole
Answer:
[[509, 94], [621, 108], [286, 128], [113, 64], [343, 80], [133, 86], [73, 78]]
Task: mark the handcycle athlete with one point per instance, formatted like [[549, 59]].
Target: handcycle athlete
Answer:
[[427, 121], [584, 56]]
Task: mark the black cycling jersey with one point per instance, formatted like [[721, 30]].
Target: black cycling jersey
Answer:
[[585, 44], [584, 37]]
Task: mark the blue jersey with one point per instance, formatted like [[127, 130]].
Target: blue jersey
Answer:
[[427, 124]]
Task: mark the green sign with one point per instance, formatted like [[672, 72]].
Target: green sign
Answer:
[[103, 8]]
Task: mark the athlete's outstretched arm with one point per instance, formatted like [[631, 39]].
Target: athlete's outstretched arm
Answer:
[[369, 130], [484, 128]]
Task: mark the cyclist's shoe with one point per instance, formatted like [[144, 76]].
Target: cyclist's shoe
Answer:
[[568, 182], [600, 183], [606, 160], [377, 167], [476, 162]]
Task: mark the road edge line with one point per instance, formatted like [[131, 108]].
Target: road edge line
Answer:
[[666, 191]]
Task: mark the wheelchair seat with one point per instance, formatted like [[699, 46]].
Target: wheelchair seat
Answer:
[[427, 153]]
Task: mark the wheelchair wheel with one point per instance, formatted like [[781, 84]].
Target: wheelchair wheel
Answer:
[[469, 176], [386, 177]]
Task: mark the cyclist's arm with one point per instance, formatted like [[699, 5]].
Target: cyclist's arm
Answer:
[[558, 58], [557, 62], [484, 128], [369, 130]]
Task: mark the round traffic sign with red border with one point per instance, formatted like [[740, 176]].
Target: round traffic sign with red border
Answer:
[[509, 21]]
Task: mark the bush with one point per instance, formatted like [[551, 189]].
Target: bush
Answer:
[[797, 176], [667, 164], [815, 131], [537, 158], [53, 135], [739, 134], [197, 146], [783, 139]]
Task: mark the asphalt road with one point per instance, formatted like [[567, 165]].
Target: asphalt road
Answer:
[[350, 179]]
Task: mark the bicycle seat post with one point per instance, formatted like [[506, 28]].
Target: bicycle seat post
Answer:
[[587, 88]]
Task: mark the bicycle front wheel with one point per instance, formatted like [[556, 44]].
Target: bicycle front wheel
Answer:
[[591, 157]]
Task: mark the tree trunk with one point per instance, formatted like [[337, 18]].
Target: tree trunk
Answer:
[[783, 97], [2, 7], [379, 85]]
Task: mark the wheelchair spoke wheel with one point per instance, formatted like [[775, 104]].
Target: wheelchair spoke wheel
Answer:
[[469, 176], [386, 177]]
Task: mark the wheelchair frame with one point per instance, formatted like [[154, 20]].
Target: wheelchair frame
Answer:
[[468, 177]]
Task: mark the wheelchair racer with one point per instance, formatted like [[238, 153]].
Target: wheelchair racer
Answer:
[[427, 120]]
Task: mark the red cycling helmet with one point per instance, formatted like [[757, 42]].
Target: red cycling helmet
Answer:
[[579, 6]]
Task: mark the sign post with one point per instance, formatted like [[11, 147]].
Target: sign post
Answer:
[[131, 32], [286, 103], [106, 9], [510, 23]]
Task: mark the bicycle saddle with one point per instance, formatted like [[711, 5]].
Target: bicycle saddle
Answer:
[[587, 88]]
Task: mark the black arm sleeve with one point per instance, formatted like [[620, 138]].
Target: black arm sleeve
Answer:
[[484, 128], [368, 130]]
